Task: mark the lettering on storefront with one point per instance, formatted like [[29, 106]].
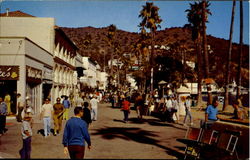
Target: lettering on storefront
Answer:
[[33, 75], [9, 72]]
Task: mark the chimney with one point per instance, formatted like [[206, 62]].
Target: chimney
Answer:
[[7, 12]]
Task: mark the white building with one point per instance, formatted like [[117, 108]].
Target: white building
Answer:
[[25, 68], [90, 72], [44, 34], [65, 76]]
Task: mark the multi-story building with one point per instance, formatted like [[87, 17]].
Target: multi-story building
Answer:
[[90, 72], [57, 76], [65, 76]]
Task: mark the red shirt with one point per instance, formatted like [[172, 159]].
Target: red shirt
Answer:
[[125, 105]]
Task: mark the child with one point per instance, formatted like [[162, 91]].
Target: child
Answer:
[[26, 135], [126, 109]]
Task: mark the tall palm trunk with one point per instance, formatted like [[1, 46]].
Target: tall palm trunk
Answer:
[[205, 50], [229, 59], [198, 46], [240, 51], [152, 64]]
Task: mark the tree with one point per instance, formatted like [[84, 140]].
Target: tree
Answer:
[[150, 20], [229, 59], [205, 5], [194, 15], [111, 36], [87, 42], [240, 50]]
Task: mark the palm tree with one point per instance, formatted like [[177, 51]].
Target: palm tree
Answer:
[[111, 36], [194, 15], [205, 5], [229, 58], [150, 20], [240, 51]]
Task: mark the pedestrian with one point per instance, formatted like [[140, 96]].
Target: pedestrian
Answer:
[[168, 111], [238, 111], [7, 100], [86, 113], [66, 105], [211, 113], [20, 107], [79, 101], [139, 103], [26, 130], [57, 116], [125, 109], [188, 111], [3, 114], [75, 134], [175, 109], [94, 107], [46, 114]]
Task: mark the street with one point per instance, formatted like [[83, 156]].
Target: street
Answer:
[[110, 136]]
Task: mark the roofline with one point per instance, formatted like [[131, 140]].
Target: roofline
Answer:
[[64, 34]]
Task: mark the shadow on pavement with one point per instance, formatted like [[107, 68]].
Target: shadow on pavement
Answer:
[[137, 135]]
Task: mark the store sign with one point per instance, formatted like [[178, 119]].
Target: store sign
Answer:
[[33, 74], [9, 72]]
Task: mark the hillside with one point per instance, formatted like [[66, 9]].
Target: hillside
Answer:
[[217, 58]]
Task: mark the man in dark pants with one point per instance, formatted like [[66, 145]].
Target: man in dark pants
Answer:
[[3, 113], [75, 135]]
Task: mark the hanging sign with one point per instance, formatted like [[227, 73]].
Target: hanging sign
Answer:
[[9, 72]]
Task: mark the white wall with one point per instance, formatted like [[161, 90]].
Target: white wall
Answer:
[[39, 30]]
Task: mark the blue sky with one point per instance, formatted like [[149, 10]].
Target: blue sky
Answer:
[[124, 14]]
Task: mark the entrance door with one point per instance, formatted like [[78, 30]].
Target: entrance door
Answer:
[[10, 87]]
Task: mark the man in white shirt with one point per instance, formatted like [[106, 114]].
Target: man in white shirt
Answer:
[[79, 102], [94, 105], [47, 112], [20, 107]]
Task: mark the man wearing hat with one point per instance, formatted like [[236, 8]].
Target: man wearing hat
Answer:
[[26, 130]]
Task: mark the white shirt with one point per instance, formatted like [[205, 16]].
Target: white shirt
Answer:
[[47, 110], [79, 102], [20, 102], [94, 103], [169, 104]]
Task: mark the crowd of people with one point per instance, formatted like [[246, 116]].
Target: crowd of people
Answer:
[[86, 111]]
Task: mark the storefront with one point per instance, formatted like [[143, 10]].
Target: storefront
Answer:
[[9, 75], [34, 87]]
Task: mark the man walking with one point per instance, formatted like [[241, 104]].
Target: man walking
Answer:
[[57, 116], [188, 111], [75, 135], [94, 105], [20, 107], [47, 112], [66, 105]]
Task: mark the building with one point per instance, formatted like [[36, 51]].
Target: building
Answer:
[[25, 68], [58, 75], [89, 77], [65, 74]]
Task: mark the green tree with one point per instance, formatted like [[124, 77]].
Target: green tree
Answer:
[[195, 19], [151, 21]]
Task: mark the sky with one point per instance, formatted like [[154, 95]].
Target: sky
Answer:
[[124, 14]]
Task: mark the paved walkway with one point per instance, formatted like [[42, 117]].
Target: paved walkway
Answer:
[[111, 138]]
